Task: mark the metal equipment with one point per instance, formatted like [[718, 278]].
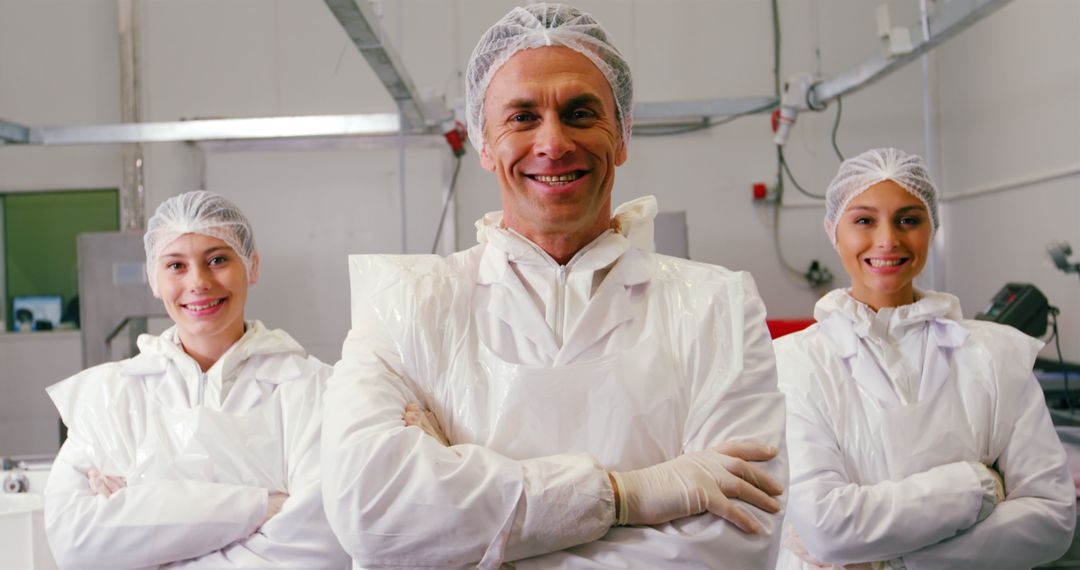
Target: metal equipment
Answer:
[[22, 522], [112, 291], [1021, 306]]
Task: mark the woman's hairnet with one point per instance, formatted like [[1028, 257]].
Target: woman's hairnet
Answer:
[[198, 212], [858, 173], [541, 25]]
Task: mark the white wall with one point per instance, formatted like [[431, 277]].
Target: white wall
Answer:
[[1010, 90], [1007, 91], [59, 65]]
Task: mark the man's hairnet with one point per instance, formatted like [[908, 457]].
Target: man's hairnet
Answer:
[[877, 165], [198, 212], [541, 25]]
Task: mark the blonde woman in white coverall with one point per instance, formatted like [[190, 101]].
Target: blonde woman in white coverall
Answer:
[[598, 398], [202, 450], [917, 439]]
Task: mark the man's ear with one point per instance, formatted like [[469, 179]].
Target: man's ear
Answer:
[[621, 151], [485, 158]]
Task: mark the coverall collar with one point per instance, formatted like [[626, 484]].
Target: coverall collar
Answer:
[[156, 352], [888, 322], [845, 321], [615, 250]]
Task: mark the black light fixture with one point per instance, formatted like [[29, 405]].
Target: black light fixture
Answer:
[[1059, 252]]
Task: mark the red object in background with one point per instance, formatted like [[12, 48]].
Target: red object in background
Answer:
[[456, 136], [760, 190], [781, 327], [776, 119]]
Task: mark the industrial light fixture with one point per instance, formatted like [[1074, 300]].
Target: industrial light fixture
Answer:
[[1059, 252]]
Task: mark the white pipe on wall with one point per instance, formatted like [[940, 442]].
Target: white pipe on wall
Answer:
[[1016, 184]]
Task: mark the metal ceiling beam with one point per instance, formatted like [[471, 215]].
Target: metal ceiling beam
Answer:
[[358, 20], [377, 124], [361, 24], [950, 19], [13, 133], [669, 111]]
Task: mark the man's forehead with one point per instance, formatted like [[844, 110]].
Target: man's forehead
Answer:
[[535, 71]]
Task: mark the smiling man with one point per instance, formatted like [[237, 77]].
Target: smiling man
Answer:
[[589, 403]]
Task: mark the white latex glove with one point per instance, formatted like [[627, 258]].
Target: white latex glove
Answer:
[[425, 420], [999, 484], [273, 505], [993, 489], [102, 484], [697, 482]]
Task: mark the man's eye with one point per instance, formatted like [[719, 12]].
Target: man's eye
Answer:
[[578, 114], [522, 117]]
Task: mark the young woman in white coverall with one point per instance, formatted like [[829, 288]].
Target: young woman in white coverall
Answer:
[[917, 439], [203, 450]]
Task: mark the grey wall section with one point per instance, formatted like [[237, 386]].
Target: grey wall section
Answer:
[[28, 420], [1006, 89]]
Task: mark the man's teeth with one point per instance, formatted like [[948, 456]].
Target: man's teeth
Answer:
[[213, 303], [886, 262], [570, 177]]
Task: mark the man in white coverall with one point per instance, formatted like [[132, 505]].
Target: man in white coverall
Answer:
[[602, 405]]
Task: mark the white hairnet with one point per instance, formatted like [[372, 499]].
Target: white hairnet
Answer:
[[858, 173], [541, 25], [198, 212]]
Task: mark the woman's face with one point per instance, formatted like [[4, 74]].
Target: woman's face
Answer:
[[203, 284], [883, 238]]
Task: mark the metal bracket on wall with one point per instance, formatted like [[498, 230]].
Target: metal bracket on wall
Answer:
[[360, 22], [13, 133], [950, 19]]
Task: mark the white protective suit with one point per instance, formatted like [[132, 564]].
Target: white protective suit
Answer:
[[886, 412], [200, 453], [543, 377]]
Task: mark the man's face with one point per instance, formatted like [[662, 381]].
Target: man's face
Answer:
[[552, 137]]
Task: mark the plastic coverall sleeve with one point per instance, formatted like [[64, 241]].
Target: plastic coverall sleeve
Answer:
[[142, 525], [299, 536], [733, 373], [1034, 524], [842, 522], [397, 497]]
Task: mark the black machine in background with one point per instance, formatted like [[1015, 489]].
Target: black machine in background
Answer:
[[1021, 306]]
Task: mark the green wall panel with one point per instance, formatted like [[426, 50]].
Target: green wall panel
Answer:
[[39, 237]]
